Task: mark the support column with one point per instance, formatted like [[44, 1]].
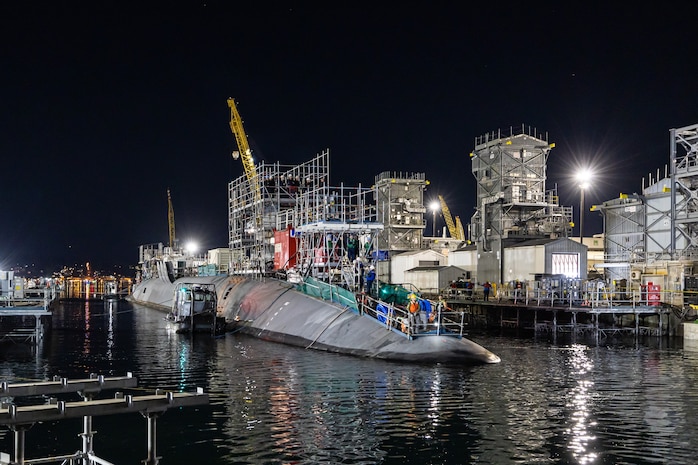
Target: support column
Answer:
[[37, 329], [87, 436], [87, 433], [596, 326], [151, 419], [19, 443]]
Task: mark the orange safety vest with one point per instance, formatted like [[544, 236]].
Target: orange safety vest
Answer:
[[414, 307]]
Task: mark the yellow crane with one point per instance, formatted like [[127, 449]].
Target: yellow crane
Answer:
[[459, 228], [244, 152], [455, 230], [170, 219]]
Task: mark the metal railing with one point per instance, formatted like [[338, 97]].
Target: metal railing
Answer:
[[592, 298], [398, 319]]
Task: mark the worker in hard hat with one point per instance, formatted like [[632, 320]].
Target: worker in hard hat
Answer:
[[370, 277], [413, 308]]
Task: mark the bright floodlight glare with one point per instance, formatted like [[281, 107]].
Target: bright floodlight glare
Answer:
[[434, 206], [191, 247], [583, 178]]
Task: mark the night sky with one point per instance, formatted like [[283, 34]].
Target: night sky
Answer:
[[106, 106]]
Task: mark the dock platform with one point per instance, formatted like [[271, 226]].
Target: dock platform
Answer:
[[590, 318], [25, 320], [20, 418]]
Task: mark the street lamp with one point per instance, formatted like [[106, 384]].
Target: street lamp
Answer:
[[435, 206], [583, 178]]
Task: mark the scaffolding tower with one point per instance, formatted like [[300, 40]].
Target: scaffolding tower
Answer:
[[512, 200], [300, 206], [400, 207], [283, 192], [684, 201]]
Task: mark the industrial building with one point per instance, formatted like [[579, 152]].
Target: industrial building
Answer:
[[293, 219], [651, 237]]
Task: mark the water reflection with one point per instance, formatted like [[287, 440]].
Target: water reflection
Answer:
[[546, 403], [579, 401]]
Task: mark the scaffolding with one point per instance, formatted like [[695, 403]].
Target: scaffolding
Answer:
[[400, 207], [298, 202], [684, 202], [512, 199], [253, 219]]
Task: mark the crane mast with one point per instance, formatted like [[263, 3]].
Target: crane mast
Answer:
[[244, 152], [170, 219], [453, 230]]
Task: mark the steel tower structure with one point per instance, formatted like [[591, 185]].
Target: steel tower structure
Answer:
[[684, 201], [512, 200], [400, 208]]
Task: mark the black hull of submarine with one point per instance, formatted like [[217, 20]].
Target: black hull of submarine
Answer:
[[275, 310]]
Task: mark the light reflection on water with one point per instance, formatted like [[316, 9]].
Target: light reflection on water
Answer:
[[546, 403]]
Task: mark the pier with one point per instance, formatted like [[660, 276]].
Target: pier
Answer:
[[94, 288], [593, 316], [25, 319], [20, 418]]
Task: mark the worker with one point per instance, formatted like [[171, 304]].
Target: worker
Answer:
[[426, 315], [413, 312], [370, 277], [352, 247], [469, 289], [486, 290]]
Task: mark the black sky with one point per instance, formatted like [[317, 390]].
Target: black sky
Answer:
[[106, 106]]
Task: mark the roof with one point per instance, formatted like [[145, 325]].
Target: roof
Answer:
[[535, 242], [417, 252], [435, 268]]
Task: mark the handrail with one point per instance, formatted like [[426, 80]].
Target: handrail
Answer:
[[598, 298], [397, 319]]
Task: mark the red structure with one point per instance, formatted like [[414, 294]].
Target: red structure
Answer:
[[654, 294], [285, 248]]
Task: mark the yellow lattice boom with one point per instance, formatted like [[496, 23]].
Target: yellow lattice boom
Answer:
[[452, 229], [459, 228], [244, 152]]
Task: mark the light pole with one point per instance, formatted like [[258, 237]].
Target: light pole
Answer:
[[434, 208], [583, 177]]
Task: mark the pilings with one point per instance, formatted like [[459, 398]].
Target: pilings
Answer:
[[600, 322], [23, 324]]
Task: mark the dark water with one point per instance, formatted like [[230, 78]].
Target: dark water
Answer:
[[621, 402]]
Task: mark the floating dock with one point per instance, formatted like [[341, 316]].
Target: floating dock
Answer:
[[26, 319], [21, 418]]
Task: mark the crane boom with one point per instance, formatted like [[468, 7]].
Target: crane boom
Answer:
[[244, 152], [170, 219], [459, 227], [452, 229]]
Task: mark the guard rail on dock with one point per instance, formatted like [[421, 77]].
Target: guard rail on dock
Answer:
[[599, 314], [25, 319], [398, 319], [21, 418]]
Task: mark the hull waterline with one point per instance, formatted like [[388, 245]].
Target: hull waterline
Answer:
[[274, 310]]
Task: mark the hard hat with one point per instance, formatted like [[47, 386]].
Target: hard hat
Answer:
[[371, 267]]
